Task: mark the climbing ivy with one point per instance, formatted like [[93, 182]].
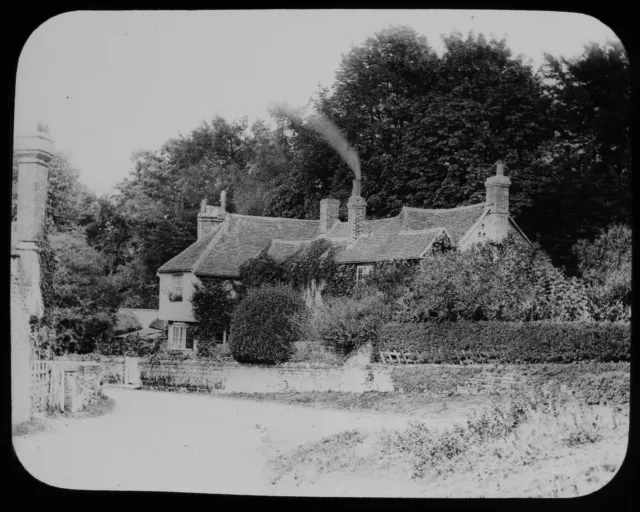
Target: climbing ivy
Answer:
[[313, 261], [213, 303], [47, 270], [442, 244]]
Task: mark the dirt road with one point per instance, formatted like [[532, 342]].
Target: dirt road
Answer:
[[161, 441]]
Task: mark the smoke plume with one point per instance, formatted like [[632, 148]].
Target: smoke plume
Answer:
[[330, 132]]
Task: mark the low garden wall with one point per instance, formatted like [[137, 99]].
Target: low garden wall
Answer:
[[112, 366], [595, 383], [202, 376]]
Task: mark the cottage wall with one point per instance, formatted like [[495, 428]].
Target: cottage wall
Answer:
[[180, 311]]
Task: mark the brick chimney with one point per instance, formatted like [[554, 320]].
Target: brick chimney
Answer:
[[210, 216], [357, 213], [329, 208], [498, 202]]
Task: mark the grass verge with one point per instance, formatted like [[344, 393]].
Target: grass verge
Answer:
[[500, 450]]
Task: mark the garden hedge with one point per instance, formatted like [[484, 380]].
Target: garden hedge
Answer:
[[510, 342]]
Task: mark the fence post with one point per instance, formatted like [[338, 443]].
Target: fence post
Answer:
[[71, 401]]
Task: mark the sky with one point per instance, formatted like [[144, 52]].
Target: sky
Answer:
[[109, 83]]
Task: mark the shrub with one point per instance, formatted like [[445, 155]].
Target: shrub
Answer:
[[510, 342], [131, 346], [504, 280], [264, 325], [346, 323], [158, 324], [212, 351], [605, 267]]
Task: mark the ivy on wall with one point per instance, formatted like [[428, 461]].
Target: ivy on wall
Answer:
[[213, 303]]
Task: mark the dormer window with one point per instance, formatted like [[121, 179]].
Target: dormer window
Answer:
[[175, 295], [362, 271]]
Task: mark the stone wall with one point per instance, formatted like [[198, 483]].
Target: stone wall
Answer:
[[112, 366], [82, 384], [200, 376]]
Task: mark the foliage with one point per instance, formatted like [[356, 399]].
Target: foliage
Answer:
[[566, 422], [315, 260], [209, 350], [158, 324], [604, 265], [346, 323], [133, 345], [506, 280], [263, 327], [85, 297], [213, 302], [510, 342], [262, 270]]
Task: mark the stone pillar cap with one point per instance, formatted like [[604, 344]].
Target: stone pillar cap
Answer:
[[39, 145]]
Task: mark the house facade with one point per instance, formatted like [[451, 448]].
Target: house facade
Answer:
[[225, 241]]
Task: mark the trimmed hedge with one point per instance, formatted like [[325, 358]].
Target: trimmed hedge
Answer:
[[510, 342]]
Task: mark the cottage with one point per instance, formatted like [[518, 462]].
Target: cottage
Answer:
[[225, 241]]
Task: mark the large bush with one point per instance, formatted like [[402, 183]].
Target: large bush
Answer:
[[508, 280], [510, 342], [346, 323], [265, 324]]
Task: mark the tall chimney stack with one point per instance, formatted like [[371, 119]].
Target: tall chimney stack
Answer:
[[498, 202], [210, 216], [357, 213]]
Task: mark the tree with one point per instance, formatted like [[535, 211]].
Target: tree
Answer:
[[587, 161], [85, 302], [605, 266]]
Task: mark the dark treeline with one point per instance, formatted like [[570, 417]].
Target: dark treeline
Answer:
[[427, 130]]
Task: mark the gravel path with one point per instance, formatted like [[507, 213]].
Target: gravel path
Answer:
[[162, 441]]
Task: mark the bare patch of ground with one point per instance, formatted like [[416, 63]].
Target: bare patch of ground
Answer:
[[99, 407]]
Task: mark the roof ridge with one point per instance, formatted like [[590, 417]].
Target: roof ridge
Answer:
[[420, 231], [270, 218], [467, 207]]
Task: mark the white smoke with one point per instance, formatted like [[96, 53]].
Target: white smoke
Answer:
[[328, 131]]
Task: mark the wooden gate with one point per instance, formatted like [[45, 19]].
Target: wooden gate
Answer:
[[131, 371]]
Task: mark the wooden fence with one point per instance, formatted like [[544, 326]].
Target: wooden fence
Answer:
[[395, 357], [47, 387]]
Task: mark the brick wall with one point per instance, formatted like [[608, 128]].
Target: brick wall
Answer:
[[194, 375]]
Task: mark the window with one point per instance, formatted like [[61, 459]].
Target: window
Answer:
[[178, 339], [175, 295], [220, 338], [362, 270]]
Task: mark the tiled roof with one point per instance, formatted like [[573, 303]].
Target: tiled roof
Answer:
[[240, 238], [186, 259], [457, 221]]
